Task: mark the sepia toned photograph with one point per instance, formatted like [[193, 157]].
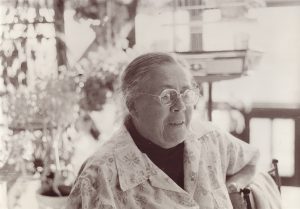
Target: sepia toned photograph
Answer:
[[149, 104]]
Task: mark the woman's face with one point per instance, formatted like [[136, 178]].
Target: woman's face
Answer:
[[165, 126]]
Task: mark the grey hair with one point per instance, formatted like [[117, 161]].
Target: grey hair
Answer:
[[138, 70]]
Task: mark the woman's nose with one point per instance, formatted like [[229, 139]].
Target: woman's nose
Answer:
[[179, 105]]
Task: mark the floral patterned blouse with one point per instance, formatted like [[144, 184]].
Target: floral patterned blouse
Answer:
[[120, 176]]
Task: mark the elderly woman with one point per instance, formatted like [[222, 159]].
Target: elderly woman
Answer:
[[156, 161]]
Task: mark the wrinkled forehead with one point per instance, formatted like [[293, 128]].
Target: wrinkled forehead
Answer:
[[167, 75]]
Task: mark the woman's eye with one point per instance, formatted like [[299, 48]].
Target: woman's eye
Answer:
[[165, 97]]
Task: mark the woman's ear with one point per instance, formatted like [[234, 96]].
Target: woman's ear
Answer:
[[131, 108]]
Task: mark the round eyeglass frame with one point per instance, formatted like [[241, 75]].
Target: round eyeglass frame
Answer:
[[196, 90]]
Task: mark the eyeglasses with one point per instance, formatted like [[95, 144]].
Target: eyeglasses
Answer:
[[169, 97]]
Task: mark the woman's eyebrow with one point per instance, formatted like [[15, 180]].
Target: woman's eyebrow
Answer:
[[165, 86], [173, 87]]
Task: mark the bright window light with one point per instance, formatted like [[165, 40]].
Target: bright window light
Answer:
[[283, 131], [260, 136]]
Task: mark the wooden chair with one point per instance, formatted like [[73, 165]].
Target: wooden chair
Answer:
[[275, 174], [246, 192]]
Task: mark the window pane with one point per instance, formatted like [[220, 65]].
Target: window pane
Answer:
[[260, 136], [283, 132]]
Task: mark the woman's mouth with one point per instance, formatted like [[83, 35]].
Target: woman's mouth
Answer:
[[178, 123]]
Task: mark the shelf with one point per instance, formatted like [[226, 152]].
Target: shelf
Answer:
[[216, 65], [214, 78]]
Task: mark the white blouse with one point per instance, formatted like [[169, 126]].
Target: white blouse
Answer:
[[120, 176]]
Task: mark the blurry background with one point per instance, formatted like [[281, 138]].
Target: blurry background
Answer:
[[60, 61]]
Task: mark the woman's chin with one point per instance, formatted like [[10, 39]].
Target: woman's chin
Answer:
[[175, 139]]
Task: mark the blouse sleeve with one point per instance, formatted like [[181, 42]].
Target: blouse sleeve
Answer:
[[237, 153], [91, 190]]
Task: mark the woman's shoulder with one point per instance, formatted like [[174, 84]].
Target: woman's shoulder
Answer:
[[105, 153], [210, 133], [204, 128]]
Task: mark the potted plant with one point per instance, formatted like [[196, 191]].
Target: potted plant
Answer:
[[40, 116]]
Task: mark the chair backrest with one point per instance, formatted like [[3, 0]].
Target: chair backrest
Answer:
[[246, 195], [275, 174]]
